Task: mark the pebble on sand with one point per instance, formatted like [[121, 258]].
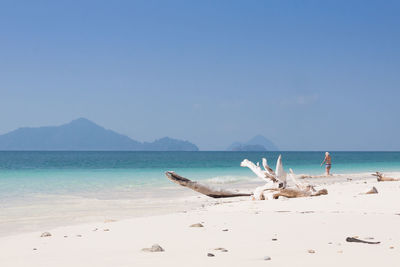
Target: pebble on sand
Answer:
[[154, 248], [221, 249], [210, 255], [311, 251], [45, 234], [267, 258], [225, 230], [197, 225]]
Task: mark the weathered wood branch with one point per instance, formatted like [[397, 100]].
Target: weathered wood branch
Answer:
[[201, 188], [265, 175], [277, 176], [280, 172], [294, 193], [381, 178], [267, 168], [276, 183], [298, 184]]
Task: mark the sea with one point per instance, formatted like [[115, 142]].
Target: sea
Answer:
[[44, 189]]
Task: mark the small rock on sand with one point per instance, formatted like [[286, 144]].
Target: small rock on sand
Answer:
[[210, 255], [78, 235], [274, 239], [154, 248], [106, 230], [34, 248], [45, 234], [225, 230], [372, 191], [391, 247], [197, 225], [267, 258], [311, 251]]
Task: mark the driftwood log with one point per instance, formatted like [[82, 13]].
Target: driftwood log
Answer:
[[276, 183], [201, 188], [381, 178]]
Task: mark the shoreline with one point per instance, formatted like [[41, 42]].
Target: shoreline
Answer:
[[75, 210], [319, 223]]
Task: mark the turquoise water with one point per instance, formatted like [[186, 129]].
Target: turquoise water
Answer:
[[41, 190], [100, 174]]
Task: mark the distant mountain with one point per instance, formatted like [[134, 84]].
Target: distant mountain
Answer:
[[82, 134], [261, 140], [257, 143]]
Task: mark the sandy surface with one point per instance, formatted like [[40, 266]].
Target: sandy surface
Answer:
[[284, 230]]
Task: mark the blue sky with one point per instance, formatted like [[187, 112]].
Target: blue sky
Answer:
[[309, 75]]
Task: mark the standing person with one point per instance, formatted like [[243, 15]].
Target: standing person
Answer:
[[328, 163]]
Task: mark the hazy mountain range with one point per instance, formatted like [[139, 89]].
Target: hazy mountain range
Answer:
[[82, 134], [257, 143]]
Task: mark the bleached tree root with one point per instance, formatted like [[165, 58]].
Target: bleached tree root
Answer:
[[259, 191], [381, 178], [276, 183], [295, 193], [201, 188]]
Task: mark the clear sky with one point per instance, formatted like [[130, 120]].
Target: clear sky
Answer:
[[308, 75]]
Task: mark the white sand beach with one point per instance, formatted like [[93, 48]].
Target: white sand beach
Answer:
[[308, 231]]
